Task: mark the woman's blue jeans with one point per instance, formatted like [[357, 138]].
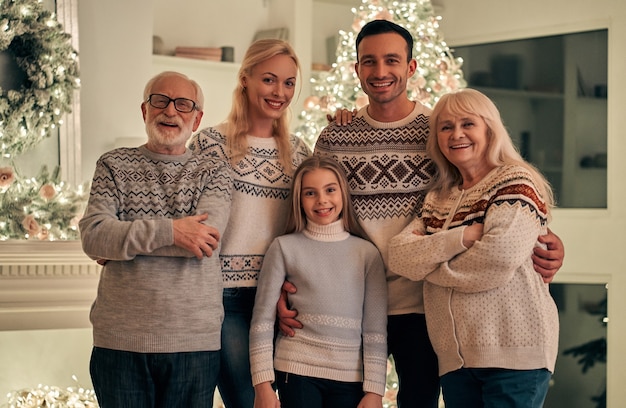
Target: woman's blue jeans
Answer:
[[123, 379], [495, 388], [235, 380]]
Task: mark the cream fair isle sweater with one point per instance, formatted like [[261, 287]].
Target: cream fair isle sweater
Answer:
[[485, 306]]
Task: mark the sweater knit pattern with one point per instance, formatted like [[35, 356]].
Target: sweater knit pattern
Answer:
[[485, 306], [154, 297], [260, 201], [388, 174], [341, 300]]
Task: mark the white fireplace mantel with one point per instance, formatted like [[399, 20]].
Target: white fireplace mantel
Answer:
[[45, 285]]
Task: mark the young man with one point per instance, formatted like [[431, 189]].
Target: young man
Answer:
[[384, 155], [154, 218]]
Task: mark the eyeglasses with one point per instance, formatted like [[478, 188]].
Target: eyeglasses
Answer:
[[182, 105]]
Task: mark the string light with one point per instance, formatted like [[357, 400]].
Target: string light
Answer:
[[50, 396]]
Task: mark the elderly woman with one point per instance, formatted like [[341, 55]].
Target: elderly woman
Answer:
[[490, 316]]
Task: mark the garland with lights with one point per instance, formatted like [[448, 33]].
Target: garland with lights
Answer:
[[51, 396], [35, 40], [42, 208]]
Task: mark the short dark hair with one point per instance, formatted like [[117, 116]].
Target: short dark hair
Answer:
[[375, 27]]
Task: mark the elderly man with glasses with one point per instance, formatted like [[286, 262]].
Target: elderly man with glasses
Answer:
[[154, 219]]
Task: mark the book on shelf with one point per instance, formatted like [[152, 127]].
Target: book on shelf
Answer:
[[200, 50], [199, 56], [204, 53]]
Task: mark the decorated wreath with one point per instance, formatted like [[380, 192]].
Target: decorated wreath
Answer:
[[47, 65], [40, 83]]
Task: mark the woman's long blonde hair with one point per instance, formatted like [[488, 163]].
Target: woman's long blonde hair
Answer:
[[501, 150], [238, 122]]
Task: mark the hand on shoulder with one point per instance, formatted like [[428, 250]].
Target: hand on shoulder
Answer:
[[342, 117]]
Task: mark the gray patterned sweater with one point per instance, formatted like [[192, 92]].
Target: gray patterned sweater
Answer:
[[260, 206], [154, 297], [341, 300]]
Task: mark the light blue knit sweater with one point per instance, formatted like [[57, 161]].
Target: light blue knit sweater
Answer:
[[341, 300]]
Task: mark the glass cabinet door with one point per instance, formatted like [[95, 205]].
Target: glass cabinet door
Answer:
[[552, 94]]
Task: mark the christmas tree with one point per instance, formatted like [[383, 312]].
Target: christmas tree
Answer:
[[438, 72]]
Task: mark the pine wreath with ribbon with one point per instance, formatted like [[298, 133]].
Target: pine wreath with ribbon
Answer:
[[33, 39]]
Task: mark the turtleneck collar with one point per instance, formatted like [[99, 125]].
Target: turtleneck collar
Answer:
[[326, 233]]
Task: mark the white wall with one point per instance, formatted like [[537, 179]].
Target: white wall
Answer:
[[115, 63], [49, 357], [594, 239], [328, 18]]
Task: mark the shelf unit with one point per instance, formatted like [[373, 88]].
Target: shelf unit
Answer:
[[541, 87]]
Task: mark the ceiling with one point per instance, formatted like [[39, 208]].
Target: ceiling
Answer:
[[437, 4]]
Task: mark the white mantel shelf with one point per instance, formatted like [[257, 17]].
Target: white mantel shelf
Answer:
[[45, 285], [15, 252]]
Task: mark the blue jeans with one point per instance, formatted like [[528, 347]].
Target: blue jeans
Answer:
[[123, 379], [297, 391], [495, 388], [415, 359], [235, 380]]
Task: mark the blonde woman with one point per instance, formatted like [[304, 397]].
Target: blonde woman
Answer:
[[255, 140]]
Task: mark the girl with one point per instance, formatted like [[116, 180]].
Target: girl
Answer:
[[490, 316], [339, 358], [255, 139]]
